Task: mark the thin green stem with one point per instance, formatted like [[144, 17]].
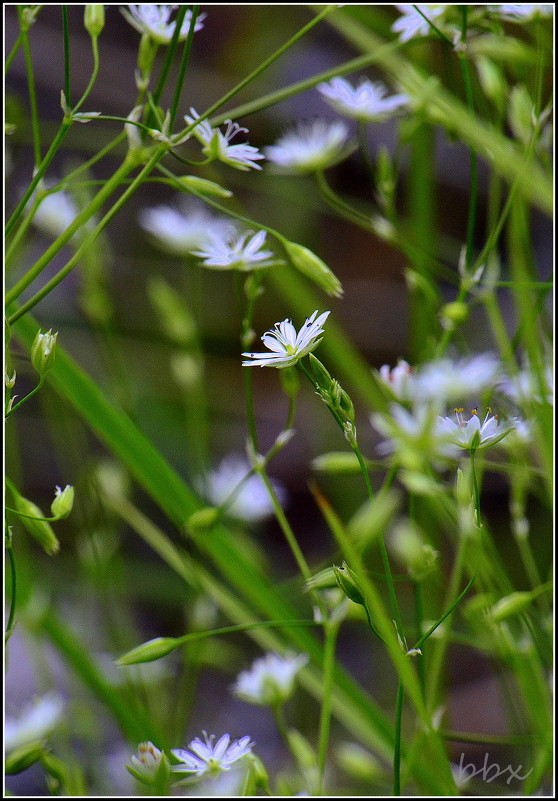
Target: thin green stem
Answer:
[[473, 190], [32, 93], [13, 53], [330, 632], [94, 73], [67, 82], [436, 30], [26, 398], [397, 744], [475, 488], [169, 57], [419, 618], [183, 66], [13, 589]]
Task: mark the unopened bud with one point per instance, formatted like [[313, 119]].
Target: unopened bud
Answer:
[[94, 19], [63, 502], [453, 314], [41, 530], [203, 187], [149, 651], [314, 268], [204, 518], [43, 351], [348, 582], [322, 376], [513, 604]]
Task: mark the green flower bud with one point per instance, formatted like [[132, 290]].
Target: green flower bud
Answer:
[[203, 186], [41, 530], [323, 378], [463, 491], [513, 604], [43, 351], [341, 463], [63, 502], [149, 651], [94, 19], [453, 314], [417, 556], [348, 582], [520, 113], [325, 579], [357, 762], [23, 757], [314, 268], [204, 518]]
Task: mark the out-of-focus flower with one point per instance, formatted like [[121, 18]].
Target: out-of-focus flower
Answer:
[[311, 146], [237, 251], [517, 12], [216, 144], [411, 23], [400, 379], [472, 434], [524, 388], [56, 212], [207, 758], [35, 722], [449, 380], [252, 502], [414, 435], [181, 232], [368, 102], [153, 20], [286, 345], [270, 680]]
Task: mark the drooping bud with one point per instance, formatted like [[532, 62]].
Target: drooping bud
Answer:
[[149, 651], [313, 267], [94, 19], [40, 529]]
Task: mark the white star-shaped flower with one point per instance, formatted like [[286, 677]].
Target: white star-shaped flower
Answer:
[[368, 102], [209, 758], [237, 251], [472, 434], [516, 12], [216, 144], [286, 345], [411, 23], [270, 680], [180, 232], [311, 146], [153, 20]]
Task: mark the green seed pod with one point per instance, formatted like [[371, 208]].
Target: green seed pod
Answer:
[[348, 582], [203, 186]]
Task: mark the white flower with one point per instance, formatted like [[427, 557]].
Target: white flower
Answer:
[[414, 436], [524, 388], [472, 434], [207, 758], [35, 722], [270, 680], [216, 144], [56, 212], [236, 251], [400, 379], [367, 102], [411, 23], [148, 759], [153, 20], [311, 146], [252, 502], [447, 381], [516, 12], [286, 346], [180, 232]]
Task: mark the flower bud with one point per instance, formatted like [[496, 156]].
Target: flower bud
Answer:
[[313, 267], [342, 462], [204, 518], [43, 351], [348, 582], [453, 314], [513, 604], [203, 187], [40, 529], [149, 651], [94, 19], [322, 376], [418, 556], [63, 502], [357, 762], [520, 113]]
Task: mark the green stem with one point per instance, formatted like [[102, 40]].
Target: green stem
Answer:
[[67, 83], [419, 615], [171, 50], [26, 398], [473, 193], [183, 66], [330, 632], [475, 488], [94, 73], [13, 576], [397, 744], [32, 93], [64, 128], [13, 53], [436, 30]]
